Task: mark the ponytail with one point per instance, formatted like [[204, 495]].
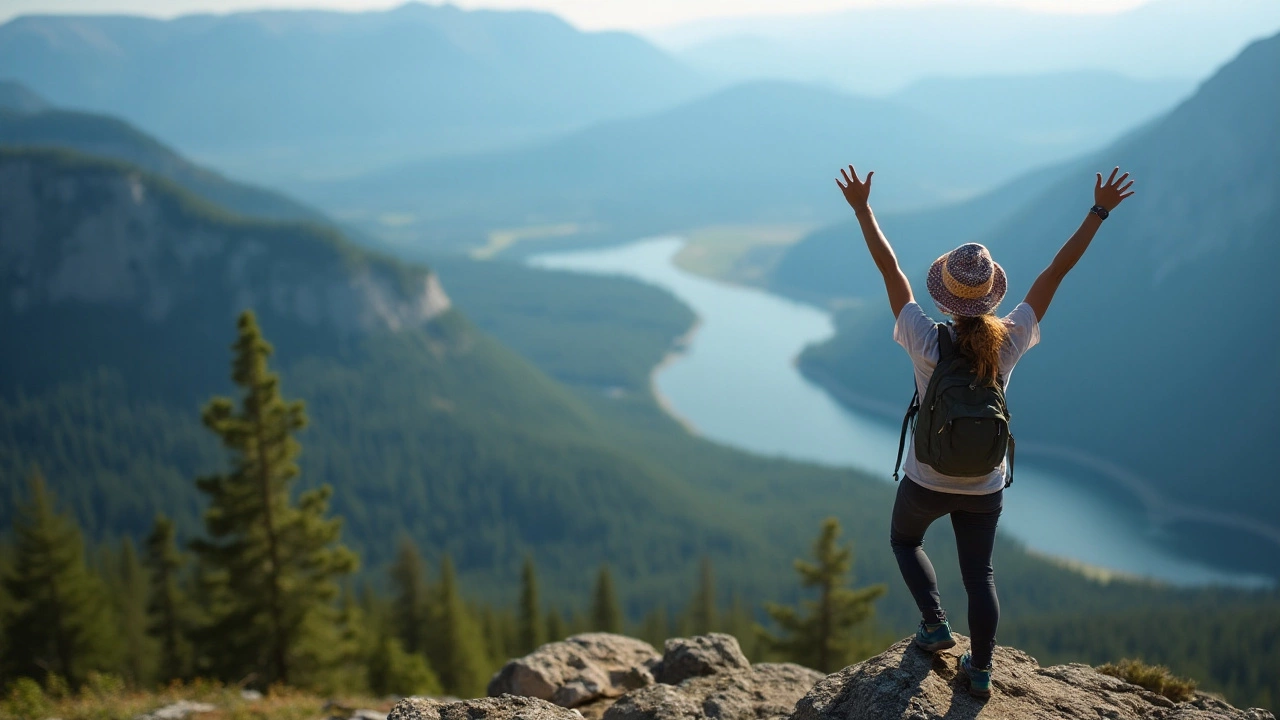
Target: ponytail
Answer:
[[980, 340]]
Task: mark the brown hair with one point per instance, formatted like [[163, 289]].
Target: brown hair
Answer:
[[979, 340]]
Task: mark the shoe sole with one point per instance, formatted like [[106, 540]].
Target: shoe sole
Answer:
[[935, 647]]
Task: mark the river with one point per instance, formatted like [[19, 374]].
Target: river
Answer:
[[737, 383]]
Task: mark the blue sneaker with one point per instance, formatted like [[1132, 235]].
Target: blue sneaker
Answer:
[[979, 680], [932, 638]]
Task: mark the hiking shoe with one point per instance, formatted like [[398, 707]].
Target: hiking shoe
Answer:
[[932, 638], [979, 680]]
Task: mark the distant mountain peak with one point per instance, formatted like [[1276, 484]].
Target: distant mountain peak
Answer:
[[16, 97]]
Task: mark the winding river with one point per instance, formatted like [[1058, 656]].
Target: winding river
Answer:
[[737, 383]]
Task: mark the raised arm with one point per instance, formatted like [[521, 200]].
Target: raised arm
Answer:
[[1106, 196], [856, 193]]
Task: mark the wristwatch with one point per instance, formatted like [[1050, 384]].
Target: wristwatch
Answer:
[[1100, 211]]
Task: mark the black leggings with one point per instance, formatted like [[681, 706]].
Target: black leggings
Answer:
[[974, 518]]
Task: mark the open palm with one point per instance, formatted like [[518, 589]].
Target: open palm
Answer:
[[855, 191]]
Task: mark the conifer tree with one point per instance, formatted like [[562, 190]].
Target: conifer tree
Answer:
[[557, 629], [392, 671], [531, 631], [271, 563], [129, 592], [170, 613], [824, 637], [59, 622], [739, 623], [702, 607], [606, 616], [655, 628], [460, 656], [411, 603]]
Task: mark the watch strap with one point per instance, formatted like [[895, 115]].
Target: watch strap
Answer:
[[1100, 211]]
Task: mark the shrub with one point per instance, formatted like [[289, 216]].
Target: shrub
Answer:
[[1155, 678], [25, 700]]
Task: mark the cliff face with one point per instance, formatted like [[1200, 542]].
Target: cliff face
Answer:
[[73, 230]]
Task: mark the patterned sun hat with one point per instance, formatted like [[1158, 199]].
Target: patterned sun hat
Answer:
[[967, 282]]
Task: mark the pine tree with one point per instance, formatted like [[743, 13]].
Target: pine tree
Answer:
[[129, 590], [739, 623], [392, 671], [824, 638], [271, 564], [655, 628], [606, 616], [411, 603], [557, 629], [702, 607], [531, 631], [459, 653], [168, 608], [59, 621]]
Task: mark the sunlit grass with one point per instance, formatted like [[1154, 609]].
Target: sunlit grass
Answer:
[[742, 254], [104, 697], [1155, 678]]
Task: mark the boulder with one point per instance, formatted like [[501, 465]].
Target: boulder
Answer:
[[580, 670], [699, 656], [759, 692], [506, 707], [904, 683]]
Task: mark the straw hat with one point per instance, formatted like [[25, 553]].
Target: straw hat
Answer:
[[967, 282]]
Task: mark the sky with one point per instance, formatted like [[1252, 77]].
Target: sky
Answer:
[[586, 14]]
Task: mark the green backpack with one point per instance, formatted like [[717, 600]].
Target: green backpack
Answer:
[[961, 426]]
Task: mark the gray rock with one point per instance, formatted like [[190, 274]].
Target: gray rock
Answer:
[[904, 683], [767, 690], [177, 711], [506, 707], [698, 656], [580, 670]]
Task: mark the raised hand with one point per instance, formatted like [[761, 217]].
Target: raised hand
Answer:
[[1112, 193], [855, 191]]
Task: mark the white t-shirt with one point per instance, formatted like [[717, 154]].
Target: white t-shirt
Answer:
[[916, 332]]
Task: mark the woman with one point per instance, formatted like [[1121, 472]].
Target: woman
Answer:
[[966, 285]]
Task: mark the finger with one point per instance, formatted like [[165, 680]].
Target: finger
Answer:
[[1113, 175], [1127, 186], [841, 185], [1126, 195], [845, 173], [873, 172], [853, 173], [1122, 178], [1098, 185]]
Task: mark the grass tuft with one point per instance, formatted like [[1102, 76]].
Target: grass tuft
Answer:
[[1155, 678]]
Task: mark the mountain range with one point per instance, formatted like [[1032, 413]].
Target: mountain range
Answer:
[[762, 152], [28, 120], [277, 94], [883, 48], [1155, 329]]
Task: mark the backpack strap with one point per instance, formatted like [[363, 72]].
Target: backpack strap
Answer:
[[946, 346], [906, 421], [1008, 478]]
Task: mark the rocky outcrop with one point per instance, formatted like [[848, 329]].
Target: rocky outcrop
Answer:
[[903, 683], [505, 707], [579, 670], [684, 658], [759, 692], [619, 678]]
